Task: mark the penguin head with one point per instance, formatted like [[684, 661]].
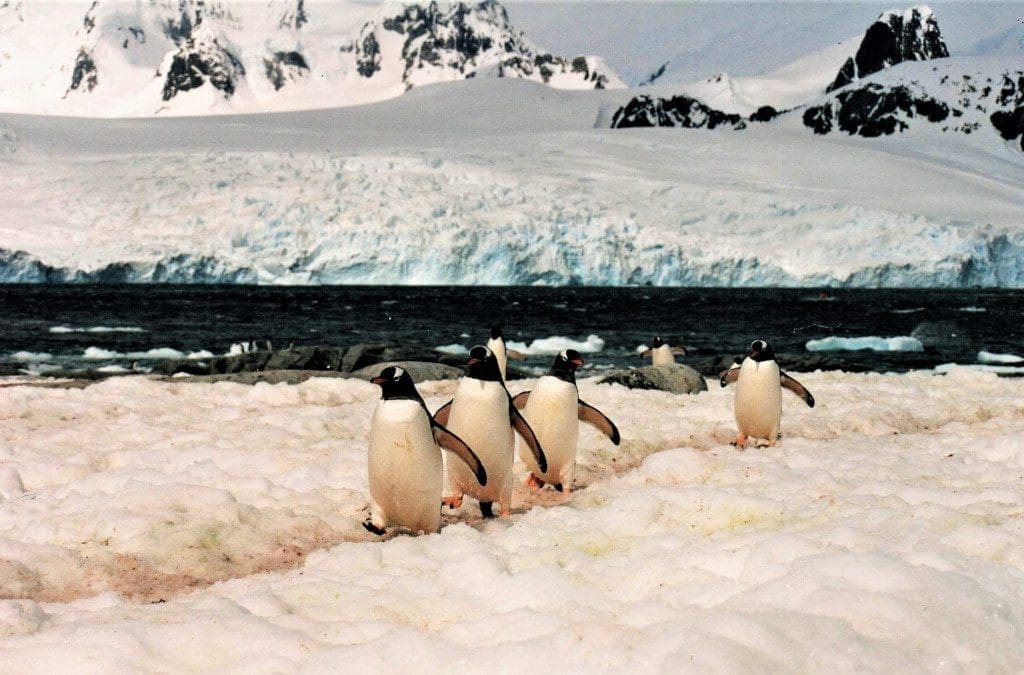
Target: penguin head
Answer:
[[761, 351], [657, 342], [483, 365], [565, 365], [396, 383], [496, 333]]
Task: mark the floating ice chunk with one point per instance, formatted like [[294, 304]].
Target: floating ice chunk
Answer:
[[989, 357], [973, 309], [31, 357], [556, 343], [876, 344], [99, 354], [980, 367], [455, 349]]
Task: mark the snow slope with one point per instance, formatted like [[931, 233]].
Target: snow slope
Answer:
[[167, 526], [502, 182], [120, 58]]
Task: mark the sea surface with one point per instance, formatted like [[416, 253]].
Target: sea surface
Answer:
[[45, 328]]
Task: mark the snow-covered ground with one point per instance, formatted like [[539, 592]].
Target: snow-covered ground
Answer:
[[155, 526]]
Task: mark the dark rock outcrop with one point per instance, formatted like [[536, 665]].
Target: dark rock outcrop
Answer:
[[201, 60], [283, 67], [874, 110], [1010, 121], [84, 73], [678, 111], [676, 379], [420, 371], [893, 38]]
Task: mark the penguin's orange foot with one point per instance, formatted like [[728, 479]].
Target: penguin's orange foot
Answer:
[[771, 444], [506, 512], [453, 502], [741, 441], [533, 482], [565, 488]]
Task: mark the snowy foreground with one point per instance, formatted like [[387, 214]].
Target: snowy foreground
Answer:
[[154, 526]]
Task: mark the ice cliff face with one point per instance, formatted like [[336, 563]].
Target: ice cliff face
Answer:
[[206, 56], [894, 38]]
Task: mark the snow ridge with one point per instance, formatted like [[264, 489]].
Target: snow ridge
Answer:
[[185, 57]]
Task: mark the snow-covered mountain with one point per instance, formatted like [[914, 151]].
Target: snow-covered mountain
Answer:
[[894, 38], [122, 58]]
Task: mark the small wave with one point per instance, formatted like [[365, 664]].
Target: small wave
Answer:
[[97, 329], [455, 349], [31, 357], [989, 357], [556, 343], [876, 344], [972, 308], [201, 354], [910, 310]]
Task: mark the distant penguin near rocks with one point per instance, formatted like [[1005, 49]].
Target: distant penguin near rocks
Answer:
[[554, 410], [661, 352], [483, 415], [404, 459], [759, 383], [501, 351]]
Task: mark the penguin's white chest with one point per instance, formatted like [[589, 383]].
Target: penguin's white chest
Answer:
[[479, 416], [405, 465], [662, 356], [552, 413], [759, 399]]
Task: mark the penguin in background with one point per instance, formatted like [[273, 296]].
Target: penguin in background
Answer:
[[404, 460], [482, 414], [661, 352], [554, 410], [502, 353], [759, 383]]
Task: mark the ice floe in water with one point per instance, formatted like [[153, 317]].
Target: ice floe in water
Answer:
[[877, 344], [555, 344], [455, 349], [989, 357], [883, 533]]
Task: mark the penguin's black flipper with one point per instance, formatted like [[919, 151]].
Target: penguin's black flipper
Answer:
[[519, 400], [522, 428], [646, 354], [450, 441], [727, 377], [441, 416], [679, 350], [798, 389], [591, 415], [370, 527]]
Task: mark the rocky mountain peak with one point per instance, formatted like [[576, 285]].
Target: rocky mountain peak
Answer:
[[894, 38]]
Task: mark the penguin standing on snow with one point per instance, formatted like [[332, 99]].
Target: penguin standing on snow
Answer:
[[482, 413], [759, 383], [501, 351], [404, 460], [661, 352], [554, 410]]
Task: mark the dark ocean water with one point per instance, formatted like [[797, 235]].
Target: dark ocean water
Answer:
[[64, 321]]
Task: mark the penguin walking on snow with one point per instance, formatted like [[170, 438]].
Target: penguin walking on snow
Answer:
[[661, 352], [404, 460], [554, 410], [483, 415], [501, 351], [759, 383]]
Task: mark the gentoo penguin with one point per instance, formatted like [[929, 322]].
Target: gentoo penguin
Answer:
[[501, 351], [661, 352], [404, 460], [759, 383], [483, 415], [554, 410]]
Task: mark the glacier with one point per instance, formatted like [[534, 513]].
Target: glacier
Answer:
[[453, 185]]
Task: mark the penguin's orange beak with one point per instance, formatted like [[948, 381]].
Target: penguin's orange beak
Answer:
[[577, 362], [473, 361], [378, 380]]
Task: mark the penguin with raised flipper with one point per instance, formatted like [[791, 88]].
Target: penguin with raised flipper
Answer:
[[759, 384], [554, 410], [661, 352], [404, 459], [482, 414], [501, 351]]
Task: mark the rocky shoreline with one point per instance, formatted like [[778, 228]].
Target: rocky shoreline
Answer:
[[365, 360]]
